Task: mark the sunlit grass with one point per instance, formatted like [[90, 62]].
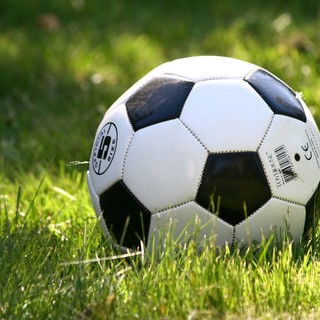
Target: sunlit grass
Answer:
[[56, 262]]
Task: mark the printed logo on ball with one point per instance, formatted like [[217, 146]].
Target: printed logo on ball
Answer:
[[282, 165], [311, 148], [282, 168], [104, 148]]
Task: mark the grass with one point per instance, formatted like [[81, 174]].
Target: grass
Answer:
[[62, 65]]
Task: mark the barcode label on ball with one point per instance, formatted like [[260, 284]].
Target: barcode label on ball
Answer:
[[286, 167]]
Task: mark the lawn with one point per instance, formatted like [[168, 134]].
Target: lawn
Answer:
[[62, 64]]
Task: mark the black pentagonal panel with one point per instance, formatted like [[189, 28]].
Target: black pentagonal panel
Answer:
[[126, 218], [159, 100], [279, 97], [312, 216], [233, 179]]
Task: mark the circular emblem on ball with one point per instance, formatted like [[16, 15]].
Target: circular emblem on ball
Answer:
[[104, 148]]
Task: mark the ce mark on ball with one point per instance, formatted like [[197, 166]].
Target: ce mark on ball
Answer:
[[307, 152]]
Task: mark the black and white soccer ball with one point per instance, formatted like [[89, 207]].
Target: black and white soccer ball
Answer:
[[207, 148]]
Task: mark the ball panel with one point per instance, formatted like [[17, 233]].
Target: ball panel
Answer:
[[276, 216], [280, 98], [94, 197], [235, 184], [231, 111], [110, 145], [186, 222], [290, 156], [96, 205], [208, 67], [126, 218], [164, 165], [159, 100]]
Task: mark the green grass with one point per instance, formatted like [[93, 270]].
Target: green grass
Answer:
[[55, 85]]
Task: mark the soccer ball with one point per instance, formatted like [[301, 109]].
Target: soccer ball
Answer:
[[207, 148]]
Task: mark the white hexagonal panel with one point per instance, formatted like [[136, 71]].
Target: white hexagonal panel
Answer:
[[275, 216], [94, 197], [110, 145], [96, 205], [164, 165], [290, 155], [208, 67], [186, 222], [226, 115]]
